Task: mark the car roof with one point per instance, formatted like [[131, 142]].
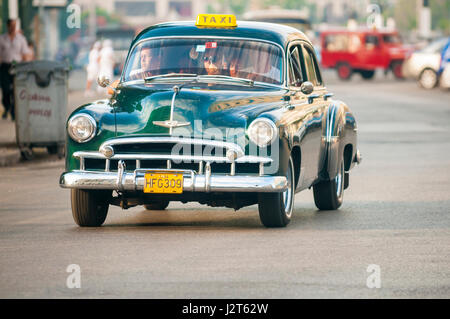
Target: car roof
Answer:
[[277, 33]]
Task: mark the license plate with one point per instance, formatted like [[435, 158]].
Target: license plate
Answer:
[[163, 183]]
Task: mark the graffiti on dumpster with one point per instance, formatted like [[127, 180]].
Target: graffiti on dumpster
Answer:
[[23, 95], [38, 112]]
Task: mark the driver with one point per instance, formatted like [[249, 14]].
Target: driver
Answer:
[[148, 64]]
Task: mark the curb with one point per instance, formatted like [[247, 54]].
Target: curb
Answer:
[[9, 156]]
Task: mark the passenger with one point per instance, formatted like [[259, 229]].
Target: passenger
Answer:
[[211, 62]]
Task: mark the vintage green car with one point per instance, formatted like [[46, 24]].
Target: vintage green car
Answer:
[[219, 112]]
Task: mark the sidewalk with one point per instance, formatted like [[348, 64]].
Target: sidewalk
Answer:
[[9, 152]]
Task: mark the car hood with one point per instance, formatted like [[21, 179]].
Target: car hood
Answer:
[[199, 109]]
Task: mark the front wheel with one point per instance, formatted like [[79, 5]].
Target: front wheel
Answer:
[[90, 207], [329, 195], [275, 209]]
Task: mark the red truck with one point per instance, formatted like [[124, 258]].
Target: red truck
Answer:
[[362, 51]]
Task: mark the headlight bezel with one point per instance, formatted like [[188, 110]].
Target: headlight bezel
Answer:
[[272, 126], [90, 120]]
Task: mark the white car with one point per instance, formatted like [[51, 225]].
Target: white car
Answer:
[[424, 64]]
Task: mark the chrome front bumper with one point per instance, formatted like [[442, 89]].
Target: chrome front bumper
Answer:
[[192, 182], [202, 180]]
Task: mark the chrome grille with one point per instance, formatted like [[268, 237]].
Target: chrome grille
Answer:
[[156, 153]]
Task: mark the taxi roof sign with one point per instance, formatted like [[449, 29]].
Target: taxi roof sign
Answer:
[[216, 21]]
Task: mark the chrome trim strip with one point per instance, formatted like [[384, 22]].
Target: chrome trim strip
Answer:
[[82, 166], [172, 139], [358, 157], [121, 167], [189, 158], [191, 183], [207, 177]]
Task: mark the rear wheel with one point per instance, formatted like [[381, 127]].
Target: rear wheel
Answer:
[[160, 205], [275, 209], [428, 79], [367, 74], [344, 71], [329, 195], [90, 207]]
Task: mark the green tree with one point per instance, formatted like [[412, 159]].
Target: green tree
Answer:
[[286, 4], [440, 15], [405, 15]]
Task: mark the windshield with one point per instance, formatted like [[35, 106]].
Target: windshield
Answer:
[[392, 38], [252, 60], [435, 46]]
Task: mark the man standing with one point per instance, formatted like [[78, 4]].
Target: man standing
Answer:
[[106, 63], [13, 48]]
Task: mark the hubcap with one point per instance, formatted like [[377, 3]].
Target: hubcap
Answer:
[[428, 79], [344, 71]]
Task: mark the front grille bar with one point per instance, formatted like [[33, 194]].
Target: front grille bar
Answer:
[[169, 158]]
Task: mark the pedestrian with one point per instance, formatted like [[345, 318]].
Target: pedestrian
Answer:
[[107, 61], [13, 49], [31, 51], [92, 67], [445, 57]]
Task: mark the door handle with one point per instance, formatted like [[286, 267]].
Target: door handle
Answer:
[[326, 96], [312, 97]]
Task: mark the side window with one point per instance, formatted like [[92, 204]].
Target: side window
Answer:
[[312, 67], [371, 41], [296, 74]]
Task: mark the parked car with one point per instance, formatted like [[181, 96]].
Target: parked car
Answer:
[[217, 112], [423, 65], [362, 51]]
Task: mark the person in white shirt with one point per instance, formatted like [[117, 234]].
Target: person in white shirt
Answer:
[[92, 67], [107, 61], [13, 49]]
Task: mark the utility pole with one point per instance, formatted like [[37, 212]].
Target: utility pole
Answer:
[[92, 20], [424, 19]]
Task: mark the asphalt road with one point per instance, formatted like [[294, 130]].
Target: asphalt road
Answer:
[[395, 215]]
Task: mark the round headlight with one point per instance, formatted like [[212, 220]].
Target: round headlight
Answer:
[[81, 128], [262, 132]]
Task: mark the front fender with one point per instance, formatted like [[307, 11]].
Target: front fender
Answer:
[[103, 114]]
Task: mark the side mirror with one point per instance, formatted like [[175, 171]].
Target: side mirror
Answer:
[[103, 81], [307, 87]]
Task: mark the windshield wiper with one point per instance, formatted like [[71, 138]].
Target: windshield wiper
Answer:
[[226, 78], [203, 78], [170, 75]]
